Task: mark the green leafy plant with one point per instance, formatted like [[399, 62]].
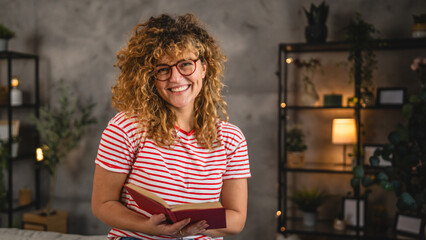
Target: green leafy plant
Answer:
[[362, 58], [295, 140], [310, 67], [5, 32], [61, 129], [317, 15], [308, 200], [406, 151], [419, 19]]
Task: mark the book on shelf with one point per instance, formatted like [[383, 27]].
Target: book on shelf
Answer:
[[212, 212]]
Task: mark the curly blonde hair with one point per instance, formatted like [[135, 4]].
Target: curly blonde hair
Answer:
[[135, 92]]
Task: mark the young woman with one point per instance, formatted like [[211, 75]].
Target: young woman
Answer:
[[168, 136]]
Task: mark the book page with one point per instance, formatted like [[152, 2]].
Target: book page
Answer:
[[148, 194], [207, 205]]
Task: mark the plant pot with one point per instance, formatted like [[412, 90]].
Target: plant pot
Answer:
[[3, 44], [418, 30], [316, 33], [309, 219], [296, 159], [36, 220]]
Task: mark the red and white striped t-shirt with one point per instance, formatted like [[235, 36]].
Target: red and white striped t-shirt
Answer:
[[184, 173]]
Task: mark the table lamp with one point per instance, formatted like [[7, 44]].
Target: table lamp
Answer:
[[343, 132]]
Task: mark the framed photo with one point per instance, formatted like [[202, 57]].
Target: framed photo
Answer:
[[369, 151], [4, 129], [409, 225], [390, 96], [349, 206]]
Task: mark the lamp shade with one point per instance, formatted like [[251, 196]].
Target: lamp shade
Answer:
[[344, 131]]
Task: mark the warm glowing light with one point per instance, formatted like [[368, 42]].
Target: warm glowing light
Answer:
[[289, 60], [283, 105], [278, 213], [344, 131], [282, 229], [39, 154], [14, 82]]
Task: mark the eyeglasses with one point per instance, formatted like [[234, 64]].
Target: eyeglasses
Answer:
[[186, 68]]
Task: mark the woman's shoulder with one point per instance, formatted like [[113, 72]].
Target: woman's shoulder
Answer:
[[229, 130], [126, 122]]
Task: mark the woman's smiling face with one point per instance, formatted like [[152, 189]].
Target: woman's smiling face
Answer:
[[180, 91]]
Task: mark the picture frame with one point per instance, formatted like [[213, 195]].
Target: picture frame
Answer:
[[349, 207], [369, 150], [4, 129], [391, 96], [409, 225]]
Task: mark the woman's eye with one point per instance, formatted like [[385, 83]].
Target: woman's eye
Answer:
[[163, 70], [186, 64]]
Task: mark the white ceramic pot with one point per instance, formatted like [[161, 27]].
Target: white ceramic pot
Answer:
[[309, 219], [3, 44]]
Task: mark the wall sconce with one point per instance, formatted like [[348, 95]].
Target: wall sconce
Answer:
[[15, 93], [343, 132]]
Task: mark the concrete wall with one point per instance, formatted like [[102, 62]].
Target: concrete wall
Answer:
[[77, 42]]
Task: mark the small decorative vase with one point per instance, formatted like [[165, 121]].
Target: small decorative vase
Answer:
[[3, 44], [316, 33], [309, 96], [339, 224], [309, 219], [418, 30]]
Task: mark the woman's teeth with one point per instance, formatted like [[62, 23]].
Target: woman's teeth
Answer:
[[179, 89]]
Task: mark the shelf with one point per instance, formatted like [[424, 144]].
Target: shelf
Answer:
[[389, 107], [325, 228], [321, 168], [25, 105], [15, 55], [339, 46]]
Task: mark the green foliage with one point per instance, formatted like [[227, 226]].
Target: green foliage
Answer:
[[419, 18], [317, 15], [308, 200], [5, 32], [295, 140], [361, 56], [406, 151], [61, 128]]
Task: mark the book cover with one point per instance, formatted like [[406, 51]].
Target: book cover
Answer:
[[212, 212]]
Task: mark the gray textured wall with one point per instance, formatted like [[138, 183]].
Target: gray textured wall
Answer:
[[77, 41]]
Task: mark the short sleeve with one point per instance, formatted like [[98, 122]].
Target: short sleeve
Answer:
[[118, 145], [237, 154]]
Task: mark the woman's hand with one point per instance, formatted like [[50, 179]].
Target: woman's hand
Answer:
[[196, 228]]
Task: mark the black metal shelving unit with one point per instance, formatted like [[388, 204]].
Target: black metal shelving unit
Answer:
[[287, 225], [10, 57]]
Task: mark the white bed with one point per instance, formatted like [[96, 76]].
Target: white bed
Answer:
[[20, 234]]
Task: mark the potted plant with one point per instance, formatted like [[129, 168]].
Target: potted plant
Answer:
[[295, 146], [406, 151], [5, 35], [362, 59], [61, 129], [310, 67], [308, 201], [419, 26], [316, 31]]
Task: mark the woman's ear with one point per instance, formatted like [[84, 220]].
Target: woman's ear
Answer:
[[204, 65]]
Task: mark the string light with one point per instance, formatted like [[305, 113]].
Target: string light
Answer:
[[283, 105], [278, 213], [39, 154], [15, 82], [289, 60]]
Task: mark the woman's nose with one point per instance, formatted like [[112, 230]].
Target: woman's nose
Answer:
[[175, 75]]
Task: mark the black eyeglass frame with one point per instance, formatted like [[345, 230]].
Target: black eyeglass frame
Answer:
[[175, 65]]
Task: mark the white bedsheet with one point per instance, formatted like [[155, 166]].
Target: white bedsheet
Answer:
[[20, 234]]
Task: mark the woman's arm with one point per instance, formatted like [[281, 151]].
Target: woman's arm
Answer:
[[234, 200], [107, 207]]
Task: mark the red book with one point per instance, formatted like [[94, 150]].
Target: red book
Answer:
[[212, 212]]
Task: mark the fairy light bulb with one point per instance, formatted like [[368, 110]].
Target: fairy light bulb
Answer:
[[39, 154]]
